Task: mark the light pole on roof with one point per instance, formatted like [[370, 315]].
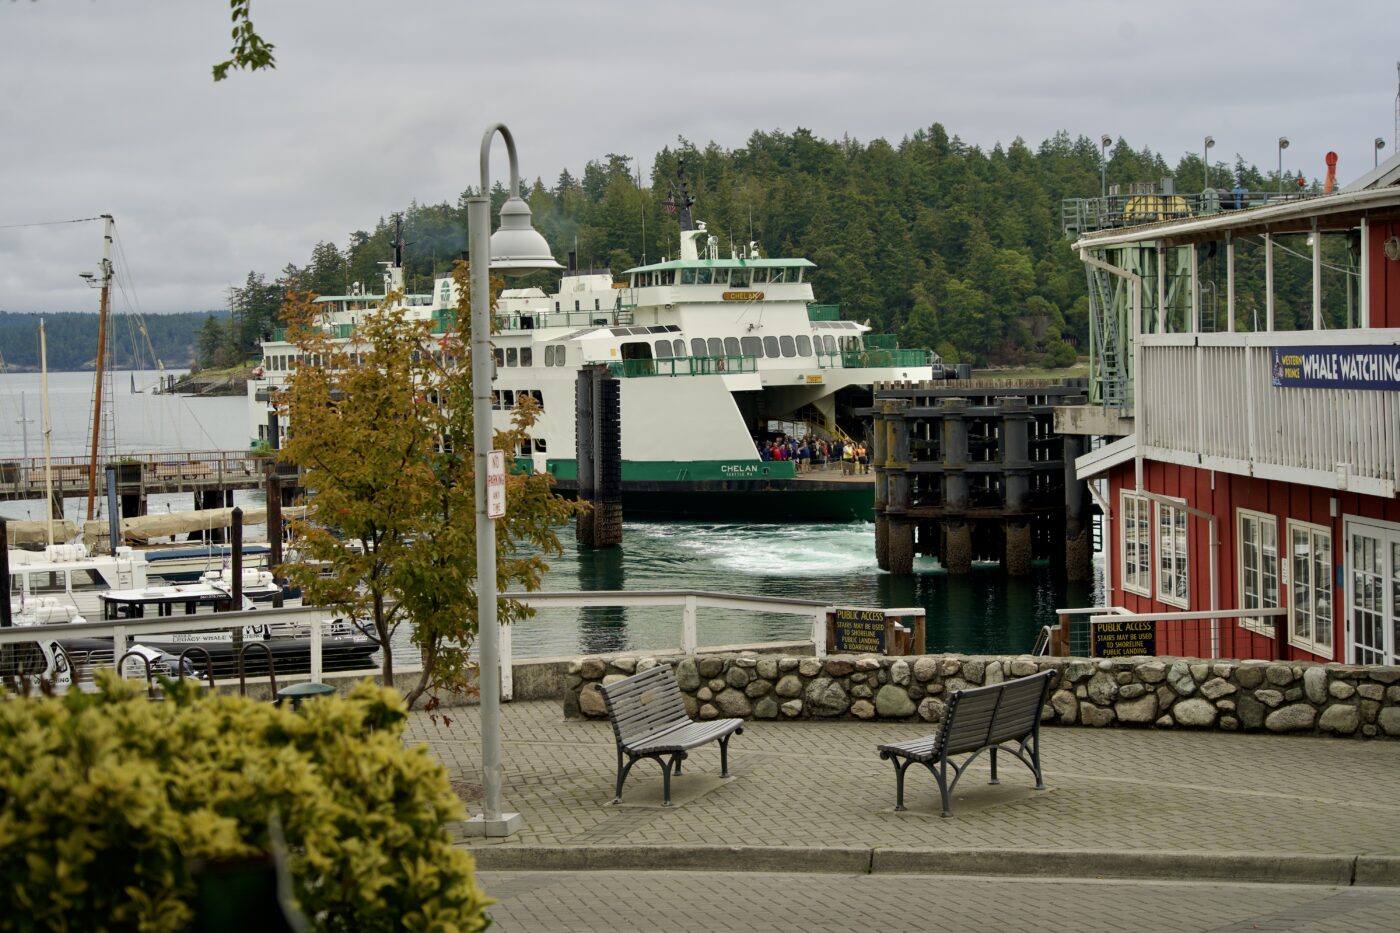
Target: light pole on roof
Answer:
[[514, 249], [1104, 142], [1282, 145], [1205, 159], [1380, 144]]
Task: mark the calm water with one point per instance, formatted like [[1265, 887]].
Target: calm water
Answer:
[[983, 611]]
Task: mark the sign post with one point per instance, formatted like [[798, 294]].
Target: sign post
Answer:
[[496, 484]]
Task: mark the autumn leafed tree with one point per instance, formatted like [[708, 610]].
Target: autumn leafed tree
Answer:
[[381, 427]]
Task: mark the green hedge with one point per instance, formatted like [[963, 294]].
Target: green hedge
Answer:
[[108, 799]]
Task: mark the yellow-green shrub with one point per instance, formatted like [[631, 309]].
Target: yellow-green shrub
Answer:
[[106, 798]]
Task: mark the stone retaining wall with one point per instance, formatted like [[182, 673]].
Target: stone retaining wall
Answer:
[[1252, 696]]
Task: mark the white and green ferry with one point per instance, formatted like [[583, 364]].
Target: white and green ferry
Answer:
[[712, 355]]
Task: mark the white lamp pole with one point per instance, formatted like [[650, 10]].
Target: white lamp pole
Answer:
[[515, 248], [1282, 145], [1104, 142], [1205, 159]]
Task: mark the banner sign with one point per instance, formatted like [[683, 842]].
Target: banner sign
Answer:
[[1367, 367]]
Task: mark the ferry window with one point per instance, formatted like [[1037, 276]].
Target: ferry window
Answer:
[[1137, 544], [1310, 599], [697, 346], [500, 357], [663, 349], [1173, 569], [829, 342], [804, 345], [636, 350], [668, 277], [495, 401], [507, 398], [1258, 538], [739, 278], [597, 304], [770, 348], [731, 346], [678, 347], [702, 276], [549, 356], [789, 347], [510, 356], [539, 445], [687, 276], [796, 275], [776, 275], [760, 276], [716, 346], [576, 307], [556, 306], [527, 356], [524, 449], [559, 355], [752, 346]]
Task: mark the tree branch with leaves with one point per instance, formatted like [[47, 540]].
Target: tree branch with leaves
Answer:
[[249, 51]]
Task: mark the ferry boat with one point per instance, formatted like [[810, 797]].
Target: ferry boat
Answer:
[[713, 355]]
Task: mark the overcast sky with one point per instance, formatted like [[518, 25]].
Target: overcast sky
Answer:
[[108, 105]]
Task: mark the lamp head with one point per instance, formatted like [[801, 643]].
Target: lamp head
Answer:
[[1210, 141], [516, 247], [1283, 142], [1106, 141], [1380, 143]]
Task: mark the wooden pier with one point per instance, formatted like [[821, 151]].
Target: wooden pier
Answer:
[[211, 475], [973, 471]]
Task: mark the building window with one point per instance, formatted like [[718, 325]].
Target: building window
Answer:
[[1135, 512], [1258, 545], [1310, 599], [1173, 576]]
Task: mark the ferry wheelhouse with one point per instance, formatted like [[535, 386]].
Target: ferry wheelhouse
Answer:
[[1251, 493], [713, 355]]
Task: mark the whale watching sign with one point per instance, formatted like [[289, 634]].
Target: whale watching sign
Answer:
[[1365, 367]]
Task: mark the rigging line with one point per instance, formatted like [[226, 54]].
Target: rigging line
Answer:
[[49, 223], [1305, 256]]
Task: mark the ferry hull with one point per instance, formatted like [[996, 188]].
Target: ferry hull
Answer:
[[750, 501]]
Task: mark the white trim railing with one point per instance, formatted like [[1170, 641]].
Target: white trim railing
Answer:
[[1208, 400]]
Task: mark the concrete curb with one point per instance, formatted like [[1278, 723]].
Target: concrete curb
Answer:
[[1338, 870]]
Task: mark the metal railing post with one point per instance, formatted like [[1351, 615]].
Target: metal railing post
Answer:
[[689, 641], [316, 648], [507, 665]]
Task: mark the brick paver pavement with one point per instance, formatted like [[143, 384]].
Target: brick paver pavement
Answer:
[[747, 901], [812, 784]]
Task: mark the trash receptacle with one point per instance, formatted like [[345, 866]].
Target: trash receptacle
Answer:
[[303, 691]]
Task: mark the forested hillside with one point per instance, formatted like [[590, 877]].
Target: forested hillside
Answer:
[[72, 339], [948, 245]]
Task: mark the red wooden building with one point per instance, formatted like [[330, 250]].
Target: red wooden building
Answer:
[[1247, 355]]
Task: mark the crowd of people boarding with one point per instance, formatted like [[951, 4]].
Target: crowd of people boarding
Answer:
[[809, 453]]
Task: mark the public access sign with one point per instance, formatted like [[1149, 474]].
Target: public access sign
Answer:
[[1123, 639], [496, 484], [1364, 367], [858, 631]]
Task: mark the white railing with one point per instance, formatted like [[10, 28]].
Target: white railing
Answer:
[[316, 624], [1208, 400], [1177, 631], [687, 601]]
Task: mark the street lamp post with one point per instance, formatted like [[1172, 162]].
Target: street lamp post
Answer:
[[1380, 144], [515, 248], [1205, 160], [1282, 145], [1104, 142]]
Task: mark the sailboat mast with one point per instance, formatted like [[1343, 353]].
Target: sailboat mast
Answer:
[[106, 273], [48, 428]]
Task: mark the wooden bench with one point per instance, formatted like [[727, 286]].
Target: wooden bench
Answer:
[[649, 721], [975, 721]]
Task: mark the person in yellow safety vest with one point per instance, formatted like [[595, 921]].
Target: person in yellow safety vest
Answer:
[[848, 459]]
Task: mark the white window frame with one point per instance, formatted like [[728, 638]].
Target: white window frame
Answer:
[[1310, 642], [1133, 507], [1258, 624], [1165, 546]]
